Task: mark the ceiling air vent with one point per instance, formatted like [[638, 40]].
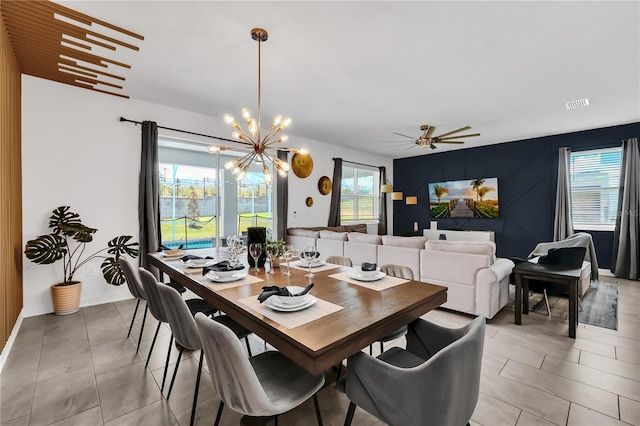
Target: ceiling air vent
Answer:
[[577, 104]]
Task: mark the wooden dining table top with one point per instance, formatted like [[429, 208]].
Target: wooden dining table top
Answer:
[[364, 315]]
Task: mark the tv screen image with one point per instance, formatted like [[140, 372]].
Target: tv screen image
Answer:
[[477, 198]]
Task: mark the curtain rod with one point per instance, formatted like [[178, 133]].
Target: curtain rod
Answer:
[[359, 164], [186, 131]]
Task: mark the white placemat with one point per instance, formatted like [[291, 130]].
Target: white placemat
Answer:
[[249, 279], [325, 267], [292, 319], [379, 285]]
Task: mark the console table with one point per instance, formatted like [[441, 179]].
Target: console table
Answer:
[[569, 277], [434, 234]]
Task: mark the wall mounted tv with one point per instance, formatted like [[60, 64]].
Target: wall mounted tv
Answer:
[[471, 198]]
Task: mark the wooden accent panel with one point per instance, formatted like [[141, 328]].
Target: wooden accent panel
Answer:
[[37, 33], [10, 188]]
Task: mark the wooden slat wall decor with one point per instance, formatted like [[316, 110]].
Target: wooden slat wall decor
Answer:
[[10, 189], [37, 35]]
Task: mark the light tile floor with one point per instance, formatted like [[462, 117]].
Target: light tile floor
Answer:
[[83, 370]]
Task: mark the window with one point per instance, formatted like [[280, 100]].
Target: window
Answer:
[[595, 178], [359, 195], [201, 203]]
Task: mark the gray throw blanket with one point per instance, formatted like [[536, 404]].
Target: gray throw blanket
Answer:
[[579, 239]]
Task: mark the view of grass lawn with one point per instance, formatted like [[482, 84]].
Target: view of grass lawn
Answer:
[[179, 229]]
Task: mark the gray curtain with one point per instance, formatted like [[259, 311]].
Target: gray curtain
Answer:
[[563, 223], [382, 214], [282, 200], [149, 196], [626, 251], [334, 210]]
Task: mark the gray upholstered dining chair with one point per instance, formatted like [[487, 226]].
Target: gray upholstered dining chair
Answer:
[[340, 260], [184, 330], [265, 385], [137, 290], [156, 307], [435, 381]]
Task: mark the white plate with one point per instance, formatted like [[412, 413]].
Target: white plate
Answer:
[[278, 302], [199, 263], [271, 305], [356, 276], [315, 264], [235, 277]]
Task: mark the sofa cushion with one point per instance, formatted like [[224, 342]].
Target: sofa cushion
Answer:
[[358, 237], [486, 248], [407, 242], [332, 235], [300, 232]]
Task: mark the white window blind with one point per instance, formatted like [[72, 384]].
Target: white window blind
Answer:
[[595, 180]]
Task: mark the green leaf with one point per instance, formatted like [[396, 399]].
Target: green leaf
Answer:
[[78, 231], [121, 245], [62, 216], [112, 272], [46, 249]]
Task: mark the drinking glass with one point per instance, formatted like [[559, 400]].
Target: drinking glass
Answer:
[[256, 250], [309, 255], [288, 255], [272, 259]]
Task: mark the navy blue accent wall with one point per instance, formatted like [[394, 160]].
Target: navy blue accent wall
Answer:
[[527, 173]]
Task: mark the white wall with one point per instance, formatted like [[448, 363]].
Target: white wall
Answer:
[[76, 152]]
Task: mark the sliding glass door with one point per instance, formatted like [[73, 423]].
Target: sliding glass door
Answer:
[[201, 203]]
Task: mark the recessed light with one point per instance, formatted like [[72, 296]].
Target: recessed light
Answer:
[[577, 104]]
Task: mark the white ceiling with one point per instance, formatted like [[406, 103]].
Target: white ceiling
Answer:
[[351, 73]]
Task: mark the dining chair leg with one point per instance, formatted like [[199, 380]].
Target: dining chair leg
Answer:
[[371, 349], [546, 300], [144, 318], [175, 372], [166, 364], [318, 414], [135, 312], [246, 339], [350, 412], [338, 374], [153, 343], [195, 394], [220, 407], [381, 347]]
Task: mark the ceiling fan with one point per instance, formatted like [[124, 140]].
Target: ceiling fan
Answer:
[[428, 140]]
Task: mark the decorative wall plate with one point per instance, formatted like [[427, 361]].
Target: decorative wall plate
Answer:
[[302, 165], [309, 201], [324, 185]]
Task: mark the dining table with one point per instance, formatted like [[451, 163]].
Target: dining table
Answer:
[[348, 312]]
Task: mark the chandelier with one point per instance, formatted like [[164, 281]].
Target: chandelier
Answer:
[[258, 144]]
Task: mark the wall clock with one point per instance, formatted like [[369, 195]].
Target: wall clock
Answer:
[[302, 165], [309, 201], [324, 185]]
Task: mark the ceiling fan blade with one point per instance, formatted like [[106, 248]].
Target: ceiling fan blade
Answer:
[[462, 129], [441, 141], [430, 132], [400, 134], [461, 136], [413, 146]]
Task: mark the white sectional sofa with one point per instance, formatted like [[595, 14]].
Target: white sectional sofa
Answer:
[[478, 282]]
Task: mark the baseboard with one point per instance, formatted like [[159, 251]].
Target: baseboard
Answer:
[[12, 338]]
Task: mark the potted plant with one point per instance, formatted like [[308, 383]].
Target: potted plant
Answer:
[[275, 250], [67, 242]]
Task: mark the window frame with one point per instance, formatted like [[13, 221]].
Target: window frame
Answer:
[[608, 171], [357, 198]]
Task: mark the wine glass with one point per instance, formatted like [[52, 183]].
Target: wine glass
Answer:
[[272, 259], [256, 250], [309, 255], [288, 255]]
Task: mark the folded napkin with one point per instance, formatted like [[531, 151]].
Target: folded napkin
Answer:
[[317, 255], [221, 266], [191, 257], [273, 290], [366, 266]]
